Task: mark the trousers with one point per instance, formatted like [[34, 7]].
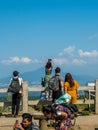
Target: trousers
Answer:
[[16, 98]]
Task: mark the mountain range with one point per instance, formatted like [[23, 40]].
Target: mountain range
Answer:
[[34, 78]]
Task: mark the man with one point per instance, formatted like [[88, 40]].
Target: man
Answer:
[[26, 123], [16, 96], [58, 93]]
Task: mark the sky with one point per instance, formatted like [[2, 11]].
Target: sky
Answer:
[[31, 31]]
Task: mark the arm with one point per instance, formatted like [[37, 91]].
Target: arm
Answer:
[[61, 113], [64, 115], [61, 83], [77, 86], [65, 88], [21, 85], [9, 84], [35, 126]]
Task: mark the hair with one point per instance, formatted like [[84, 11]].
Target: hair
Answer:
[[15, 73], [69, 79], [27, 116], [48, 109], [57, 70]]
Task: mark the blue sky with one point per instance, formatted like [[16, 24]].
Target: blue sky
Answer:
[[32, 31]]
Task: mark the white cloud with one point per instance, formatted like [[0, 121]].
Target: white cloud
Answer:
[[67, 50], [25, 60], [16, 59], [36, 61], [93, 37], [60, 61], [78, 62], [93, 53]]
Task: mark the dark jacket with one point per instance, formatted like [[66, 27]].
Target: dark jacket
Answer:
[[33, 126]]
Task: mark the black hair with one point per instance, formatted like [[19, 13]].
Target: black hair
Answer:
[[48, 109], [49, 59], [15, 73], [57, 70], [27, 116]]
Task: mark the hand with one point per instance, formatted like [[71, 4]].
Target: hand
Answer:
[[77, 95], [22, 94], [62, 126], [7, 91], [18, 126]]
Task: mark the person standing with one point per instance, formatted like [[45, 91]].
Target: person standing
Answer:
[[48, 66], [71, 87], [16, 96], [57, 93]]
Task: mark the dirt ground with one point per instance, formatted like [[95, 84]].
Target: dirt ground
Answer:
[[82, 122]]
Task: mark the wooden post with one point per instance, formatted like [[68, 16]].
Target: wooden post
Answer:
[[25, 97], [89, 99], [96, 97]]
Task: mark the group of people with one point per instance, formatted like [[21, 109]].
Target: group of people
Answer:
[[66, 84], [58, 112], [69, 85]]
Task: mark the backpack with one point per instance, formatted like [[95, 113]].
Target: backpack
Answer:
[[54, 83], [14, 86]]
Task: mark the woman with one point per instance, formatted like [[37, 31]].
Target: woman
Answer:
[[71, 87], [60, 114]]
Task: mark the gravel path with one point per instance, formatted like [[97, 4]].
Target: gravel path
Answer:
[[82, 123]]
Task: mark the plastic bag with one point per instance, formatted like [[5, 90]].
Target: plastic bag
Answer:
[[64, 98]]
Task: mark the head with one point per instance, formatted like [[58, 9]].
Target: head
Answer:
[[49, 59], [48, 111], [26, 120], [68, 78], [15, 73], [57, 70]]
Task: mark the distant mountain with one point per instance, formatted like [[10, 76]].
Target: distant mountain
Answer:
[[82, 79], [34, 77]]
